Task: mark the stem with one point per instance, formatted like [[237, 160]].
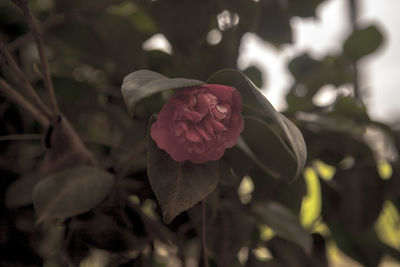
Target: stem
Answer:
[[23, 80], [141, 149], [21, 137], [21, 100], [23, 5], [204, 233], [50, 23], [356, 73]]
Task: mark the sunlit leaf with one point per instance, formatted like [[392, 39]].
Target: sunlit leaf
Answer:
[[178, 186], [325, 171], [388, 225], [143, 83], [311, 205], [384, 169], [71, 192]]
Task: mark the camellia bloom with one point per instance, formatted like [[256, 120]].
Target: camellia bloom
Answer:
[[199, 123]]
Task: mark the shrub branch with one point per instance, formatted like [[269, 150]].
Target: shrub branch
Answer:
[[23, 5], [204, 233], [15, 96]]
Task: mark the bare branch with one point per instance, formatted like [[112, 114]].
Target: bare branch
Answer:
[[19, 99], [50, 23], [20, 137], [23, 80], [204, 233], [23, 5]]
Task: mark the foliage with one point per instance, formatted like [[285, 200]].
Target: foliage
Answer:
[[97, 190]]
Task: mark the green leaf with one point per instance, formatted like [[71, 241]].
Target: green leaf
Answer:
[[280, 164], [228, 229], [284, 223], [272, 14], [71, 192], [255, 75], [143, 83], [255, 102], [305, 8], [366, 248], [103, 232], [178, 186], [362, 42]]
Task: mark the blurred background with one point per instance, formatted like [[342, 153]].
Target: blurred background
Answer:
[[331, 66]]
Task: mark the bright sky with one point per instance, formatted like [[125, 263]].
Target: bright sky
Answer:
[[325, 35]]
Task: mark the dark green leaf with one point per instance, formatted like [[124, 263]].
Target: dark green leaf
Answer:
[[290, 254], [362, 42], [185, 23], [284, 223], [273, 13], [311, 75], [304, 8], [178, 186], [71, 192], [261, 139], [64, 148], [229, 228], [258, 104], [348, 108], [365, 248], [143, 83], [266, 188], [103, 232], [20, 192], [255, 75], [357, 199]]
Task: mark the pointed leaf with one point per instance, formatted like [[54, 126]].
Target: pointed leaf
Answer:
[[280, 164], [256, 103], [284, 223], [143, 83], [178, 186], [362, 42], [19, 193], [71, 192]]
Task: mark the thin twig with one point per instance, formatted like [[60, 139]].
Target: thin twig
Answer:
[[356, 72], [20, 137], [142, 148], [21, 100], [23, 5], [57, 19], [23, 80], [204, 233], [50, 23]]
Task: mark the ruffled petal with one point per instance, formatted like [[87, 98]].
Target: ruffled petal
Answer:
[[161, 135], [222, 92], [192, 135]]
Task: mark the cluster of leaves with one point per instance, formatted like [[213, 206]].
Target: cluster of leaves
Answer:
[[59, 210]]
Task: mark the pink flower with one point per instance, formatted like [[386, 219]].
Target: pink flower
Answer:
[[199, 123]]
